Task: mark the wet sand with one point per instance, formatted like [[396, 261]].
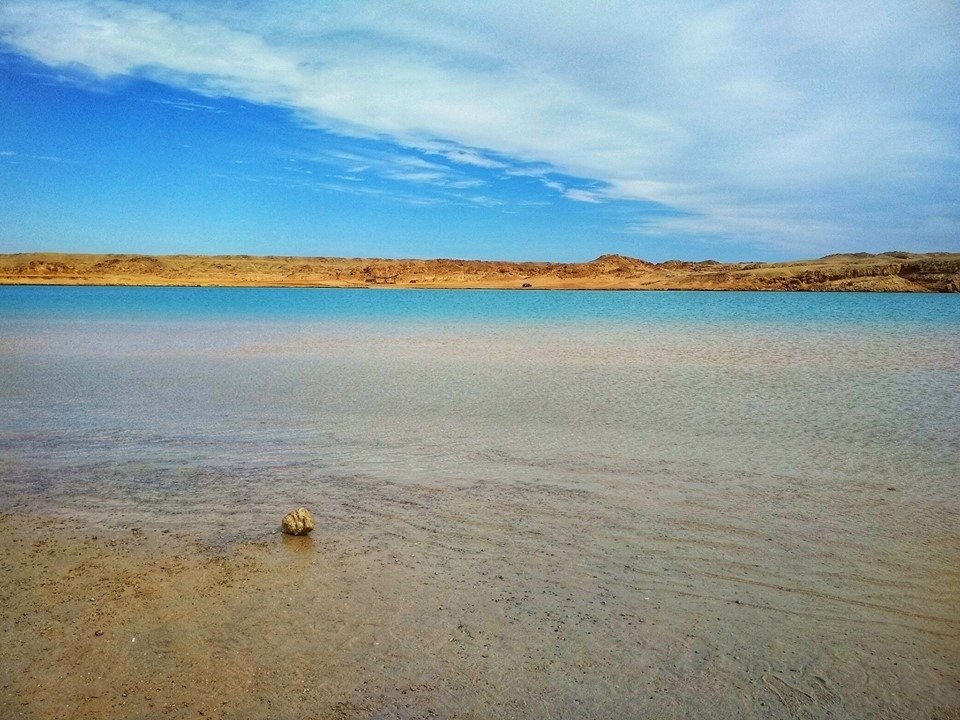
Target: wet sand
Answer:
[[416, 603]]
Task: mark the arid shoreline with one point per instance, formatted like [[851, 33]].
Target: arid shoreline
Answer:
[[886, 272]]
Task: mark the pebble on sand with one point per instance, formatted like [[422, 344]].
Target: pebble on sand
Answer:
[[298, 522]]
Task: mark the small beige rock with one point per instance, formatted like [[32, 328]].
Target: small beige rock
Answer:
[[298, 522]]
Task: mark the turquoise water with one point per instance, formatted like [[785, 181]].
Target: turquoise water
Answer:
[[476, 306], [769, 480]]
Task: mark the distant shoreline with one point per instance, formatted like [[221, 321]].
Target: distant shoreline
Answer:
[[860, 272]]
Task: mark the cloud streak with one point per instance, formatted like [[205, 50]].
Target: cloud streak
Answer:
[[795, 124], [187, 105]]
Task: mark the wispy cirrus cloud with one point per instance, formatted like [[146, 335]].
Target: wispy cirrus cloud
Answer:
[[789, 124], [464, 156], [188, 105], [16, 157], [399, 166], [586, 196]]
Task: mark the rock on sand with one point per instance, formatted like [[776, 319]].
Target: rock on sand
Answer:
[[298, 522]]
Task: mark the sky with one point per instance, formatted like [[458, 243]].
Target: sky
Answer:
[[750, 130]]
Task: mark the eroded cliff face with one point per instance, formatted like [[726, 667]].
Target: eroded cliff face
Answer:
[[936, 274], [887, 272], [920, 274]]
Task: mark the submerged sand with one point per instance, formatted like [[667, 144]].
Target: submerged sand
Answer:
[[885, 272], [143, 622]]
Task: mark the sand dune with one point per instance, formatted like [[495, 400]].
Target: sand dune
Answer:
[[886, 272]]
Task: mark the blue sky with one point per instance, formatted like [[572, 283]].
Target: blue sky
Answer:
[[732, 130]]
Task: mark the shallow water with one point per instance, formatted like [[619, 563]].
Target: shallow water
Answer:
[[641, 504]]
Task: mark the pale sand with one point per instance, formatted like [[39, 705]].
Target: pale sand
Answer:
[[894, 272]]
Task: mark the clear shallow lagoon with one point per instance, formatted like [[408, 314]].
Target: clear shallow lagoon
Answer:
[[642, 502], [475, 306]]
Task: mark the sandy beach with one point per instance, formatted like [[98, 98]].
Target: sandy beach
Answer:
[[115, 621], [709, 505], [888, 272], [141, 623]]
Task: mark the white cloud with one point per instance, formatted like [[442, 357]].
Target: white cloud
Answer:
[[582, 196], [485, 201], [417, 177], [395, 165], [466, 183], [189, 106], [471, 157], [776, 122]]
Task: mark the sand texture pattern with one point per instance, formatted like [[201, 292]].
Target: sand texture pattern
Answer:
[[112, 623]]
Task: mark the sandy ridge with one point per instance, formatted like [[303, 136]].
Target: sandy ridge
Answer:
[[885, 272]]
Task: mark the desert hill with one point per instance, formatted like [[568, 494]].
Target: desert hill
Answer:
[[885, 272]]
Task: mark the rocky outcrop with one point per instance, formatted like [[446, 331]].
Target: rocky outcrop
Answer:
[[298, 522], [40, 267], [620, 264], [935, 273], [130, 265]]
